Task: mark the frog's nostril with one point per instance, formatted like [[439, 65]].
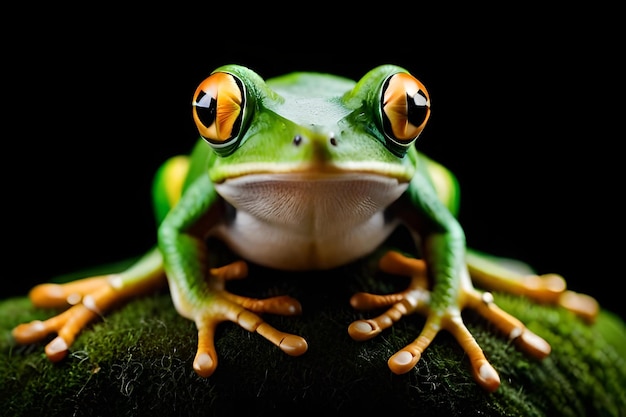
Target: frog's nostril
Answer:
[[316, 140]]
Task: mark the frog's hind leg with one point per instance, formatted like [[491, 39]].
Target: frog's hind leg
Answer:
[[500, 274], [87, 300]]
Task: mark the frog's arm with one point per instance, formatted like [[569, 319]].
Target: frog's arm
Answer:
[[198, 289], [451, 266], [443, 251]]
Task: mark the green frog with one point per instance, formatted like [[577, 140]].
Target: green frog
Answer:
[[309, 171]]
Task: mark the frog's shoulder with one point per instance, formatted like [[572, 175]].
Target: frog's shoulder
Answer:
[[442, 179]]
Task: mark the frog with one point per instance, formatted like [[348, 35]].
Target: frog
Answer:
[[309, 171]]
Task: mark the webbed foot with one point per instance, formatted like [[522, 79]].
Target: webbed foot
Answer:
[[222, 306], [417, 299], [87, 299]]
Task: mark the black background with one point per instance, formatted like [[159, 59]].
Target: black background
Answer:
[[525, 110]]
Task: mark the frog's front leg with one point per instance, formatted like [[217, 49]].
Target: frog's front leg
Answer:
[[87, 299], [417, 299], [198, 290], [217, 305]]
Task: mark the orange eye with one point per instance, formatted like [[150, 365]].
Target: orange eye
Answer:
[[218, 107], [405, 108]]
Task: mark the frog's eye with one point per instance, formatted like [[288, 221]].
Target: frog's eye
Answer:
[[405, 108], [218, 108]]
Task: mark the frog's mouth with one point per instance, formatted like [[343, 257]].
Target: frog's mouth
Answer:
[[312, 202], [315, 171]]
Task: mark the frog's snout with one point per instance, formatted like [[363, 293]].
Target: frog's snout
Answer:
[[316, 139], [318, 145]]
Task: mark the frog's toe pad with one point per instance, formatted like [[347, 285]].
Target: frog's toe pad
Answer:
[[403, 361], [582, 305], [361, 330], [204, 365], [30, 332], [532, 344], [293, 345], [57, 349], [486, 376]]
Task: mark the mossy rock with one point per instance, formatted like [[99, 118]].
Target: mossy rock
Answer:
[[138, 361]]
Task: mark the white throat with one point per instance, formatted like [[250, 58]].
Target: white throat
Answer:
[[305, 221]]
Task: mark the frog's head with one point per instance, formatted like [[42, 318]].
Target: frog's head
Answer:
[[311, 124]]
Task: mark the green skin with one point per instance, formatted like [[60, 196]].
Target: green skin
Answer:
[[288, 192], [339, 106]]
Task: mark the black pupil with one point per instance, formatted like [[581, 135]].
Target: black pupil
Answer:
[[206, 108], [416, 113]]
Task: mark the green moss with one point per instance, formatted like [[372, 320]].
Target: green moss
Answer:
[[137, 361]]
